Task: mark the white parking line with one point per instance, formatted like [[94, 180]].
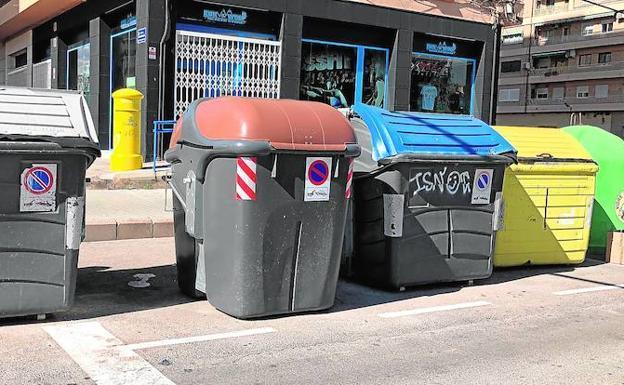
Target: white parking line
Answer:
[[211, 337], [98, 354], [589, 289], [108, 361], [433, 309]]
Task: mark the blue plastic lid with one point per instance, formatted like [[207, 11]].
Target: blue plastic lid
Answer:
[[395, 133]]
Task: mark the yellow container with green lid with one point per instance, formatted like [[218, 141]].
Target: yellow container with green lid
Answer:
[[548, 199]]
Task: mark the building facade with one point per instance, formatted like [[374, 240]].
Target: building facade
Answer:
[[564, 65], [401, 57]]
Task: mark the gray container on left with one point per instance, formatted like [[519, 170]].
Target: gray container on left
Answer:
[[47, 142]]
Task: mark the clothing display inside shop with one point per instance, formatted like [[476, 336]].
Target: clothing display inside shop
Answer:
[[441, 84]]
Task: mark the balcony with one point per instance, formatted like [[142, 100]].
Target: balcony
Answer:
[[591, 104], [20, 15], [547, 10], [577, 101], [573, 72], [564, 43], [611, 103], [560, 39]]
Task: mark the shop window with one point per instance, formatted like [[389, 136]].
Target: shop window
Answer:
[[343, 74], [585, 60], [123, 54], [511, 66], [604, 58], [122, 65], [509, 95], [602, 91], [582, 92], [78, 71], [607, 27], [374, 82], [442, 84], [20, 59]]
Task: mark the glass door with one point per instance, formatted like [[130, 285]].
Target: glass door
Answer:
[[122, 67], [78, 71]]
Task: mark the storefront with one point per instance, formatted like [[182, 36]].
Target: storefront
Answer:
[[222, 50], [335, 52], [443, 72]]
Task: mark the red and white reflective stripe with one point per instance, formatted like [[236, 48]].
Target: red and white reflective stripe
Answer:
[[348, 192], [246, 178]]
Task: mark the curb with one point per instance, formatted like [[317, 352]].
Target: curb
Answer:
[[112, 230], [137, 183]]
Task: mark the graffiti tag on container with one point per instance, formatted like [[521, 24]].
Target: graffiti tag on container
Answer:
[[443, 181]]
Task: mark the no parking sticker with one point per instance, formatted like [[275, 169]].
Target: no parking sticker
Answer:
[[317, 179], [482, 188], [38, 188]]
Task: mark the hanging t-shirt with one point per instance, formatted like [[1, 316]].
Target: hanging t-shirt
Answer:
[[428, 95]]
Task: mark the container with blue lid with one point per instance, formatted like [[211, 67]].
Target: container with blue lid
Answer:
[[427, 197]]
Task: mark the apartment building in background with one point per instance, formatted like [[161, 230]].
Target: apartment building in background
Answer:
[[564, 64]]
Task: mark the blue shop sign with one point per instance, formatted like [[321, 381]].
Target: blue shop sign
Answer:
[[128, 22], [226, 16], [442, 48]]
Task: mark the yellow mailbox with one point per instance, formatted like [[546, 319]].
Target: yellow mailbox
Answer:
[[126, 130]]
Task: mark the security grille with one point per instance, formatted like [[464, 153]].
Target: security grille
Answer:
[[209, 65]]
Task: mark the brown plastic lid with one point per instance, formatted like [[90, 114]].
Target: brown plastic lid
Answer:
[[286, 124]]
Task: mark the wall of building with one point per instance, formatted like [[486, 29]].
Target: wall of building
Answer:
[[17, 74], [3, 68], [610, 122]]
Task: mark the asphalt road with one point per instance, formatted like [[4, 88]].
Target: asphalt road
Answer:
[[558, 325]]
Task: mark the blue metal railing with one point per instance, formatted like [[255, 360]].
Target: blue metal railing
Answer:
[[161, 127]]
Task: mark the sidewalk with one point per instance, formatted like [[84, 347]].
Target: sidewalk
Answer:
[[128, 214], [102, 178], [126, 205]]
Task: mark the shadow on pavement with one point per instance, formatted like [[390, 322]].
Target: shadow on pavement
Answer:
[[352, 295], [506, 274], [102, 292]]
